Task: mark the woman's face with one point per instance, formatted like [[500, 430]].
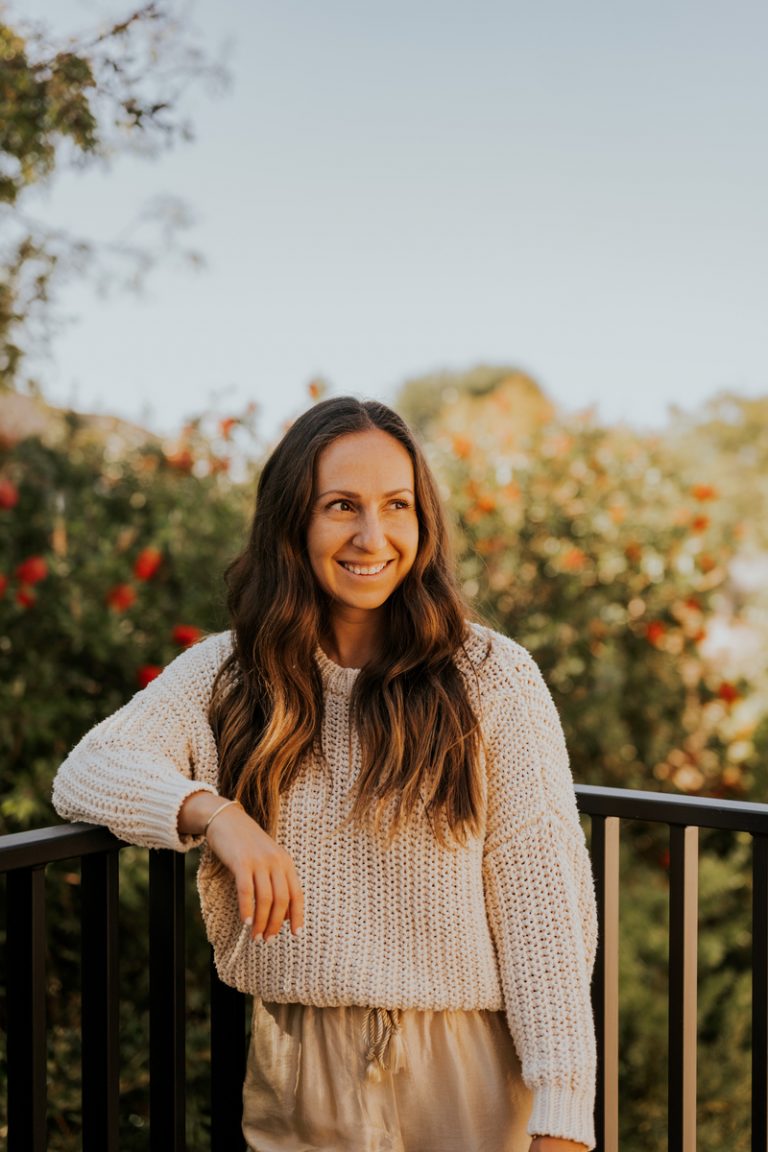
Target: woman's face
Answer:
[[363, 533]]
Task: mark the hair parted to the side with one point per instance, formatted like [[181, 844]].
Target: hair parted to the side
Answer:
[[419, 734]]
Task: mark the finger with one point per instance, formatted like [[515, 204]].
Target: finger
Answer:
[[296, 909], [262, 884], [280, 901], [246, 900]]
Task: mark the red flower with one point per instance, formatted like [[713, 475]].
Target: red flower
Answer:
[[727, 692], [3, 584], [147, 673], [25, 596], [704, 492], [121, 597], [700, 523], [655, 632], [185, 634], [9, 494], [226, 425], [147, 563], [32, 570]]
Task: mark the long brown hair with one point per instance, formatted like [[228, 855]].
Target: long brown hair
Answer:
[[418, 731]]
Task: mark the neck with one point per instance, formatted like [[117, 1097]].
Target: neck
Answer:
[[351, 640]]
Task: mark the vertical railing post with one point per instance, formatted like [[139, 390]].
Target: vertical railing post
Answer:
[[228, 1060], [167, 1031], [683, 935], [100, 1001], [759, 993], [25, 999], [605, 991]]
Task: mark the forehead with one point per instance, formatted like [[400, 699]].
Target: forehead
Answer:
[[364, 461]]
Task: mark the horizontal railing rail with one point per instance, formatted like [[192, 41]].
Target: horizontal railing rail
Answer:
[[24, 857]]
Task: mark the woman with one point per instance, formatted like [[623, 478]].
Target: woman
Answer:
[[392, 863]]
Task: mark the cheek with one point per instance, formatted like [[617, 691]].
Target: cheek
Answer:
[[321, 544]]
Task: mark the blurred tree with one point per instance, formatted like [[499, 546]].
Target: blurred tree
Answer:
[[461, 400], [112, 550], [73, 103]]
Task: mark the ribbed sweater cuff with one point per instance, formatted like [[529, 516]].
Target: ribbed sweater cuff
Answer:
[[564, 1113]]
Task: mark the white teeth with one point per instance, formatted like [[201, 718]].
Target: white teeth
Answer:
[[359, 570]]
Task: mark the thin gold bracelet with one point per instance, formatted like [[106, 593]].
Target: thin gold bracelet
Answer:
[[214, 814]]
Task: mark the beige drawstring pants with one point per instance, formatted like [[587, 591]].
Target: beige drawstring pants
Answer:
[[313, 1083]]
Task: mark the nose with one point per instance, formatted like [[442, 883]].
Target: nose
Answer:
[[370, 536]]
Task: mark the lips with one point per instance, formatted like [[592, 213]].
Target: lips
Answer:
[[364, 569]]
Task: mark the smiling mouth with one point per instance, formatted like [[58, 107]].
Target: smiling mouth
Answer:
[[363, 569]]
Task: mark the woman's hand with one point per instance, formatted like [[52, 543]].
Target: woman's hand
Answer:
[[268, 889], [555, 1144]]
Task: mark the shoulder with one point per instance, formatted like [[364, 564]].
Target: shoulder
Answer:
[[495, 659], [196, 667]]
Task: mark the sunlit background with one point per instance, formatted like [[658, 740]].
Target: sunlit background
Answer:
[[386, 190], [541, 231]]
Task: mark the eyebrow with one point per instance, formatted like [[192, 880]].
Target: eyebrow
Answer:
[[344, 492]]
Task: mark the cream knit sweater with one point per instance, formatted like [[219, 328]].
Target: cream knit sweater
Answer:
[[506, 922]]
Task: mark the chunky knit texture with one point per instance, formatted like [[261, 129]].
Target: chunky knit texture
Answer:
[[507, 921]]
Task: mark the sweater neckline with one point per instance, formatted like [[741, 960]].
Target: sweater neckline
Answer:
[[336, 679]]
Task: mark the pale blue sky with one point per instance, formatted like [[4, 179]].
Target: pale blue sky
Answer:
[[388, 189]]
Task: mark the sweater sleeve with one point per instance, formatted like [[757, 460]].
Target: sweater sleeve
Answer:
[[135, 769], [540, 899]]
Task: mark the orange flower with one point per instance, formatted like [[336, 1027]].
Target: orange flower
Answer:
[[182, 459], [486, 503], [25, 596], [633, 552], [121, 597], [462, 447], [727, 692], [9, 494], [316, 388], [700, 523], [226, 425], [703, 492], [707, 562], [574, 560], [32, 570], [185, 634], [147, 563], [654, 632], [147, 673]]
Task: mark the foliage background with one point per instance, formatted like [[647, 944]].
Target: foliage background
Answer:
[[632, 566]]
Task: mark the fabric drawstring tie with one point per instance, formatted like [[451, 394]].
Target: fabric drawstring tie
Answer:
[[384, 1047]]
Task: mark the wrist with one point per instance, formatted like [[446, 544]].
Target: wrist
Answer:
[[196, 811]]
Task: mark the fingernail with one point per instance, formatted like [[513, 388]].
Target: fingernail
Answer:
[[249, 921], [258, 938], [299, 932]]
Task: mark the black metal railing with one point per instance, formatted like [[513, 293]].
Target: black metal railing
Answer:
[[684, 816], [24, 857]]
